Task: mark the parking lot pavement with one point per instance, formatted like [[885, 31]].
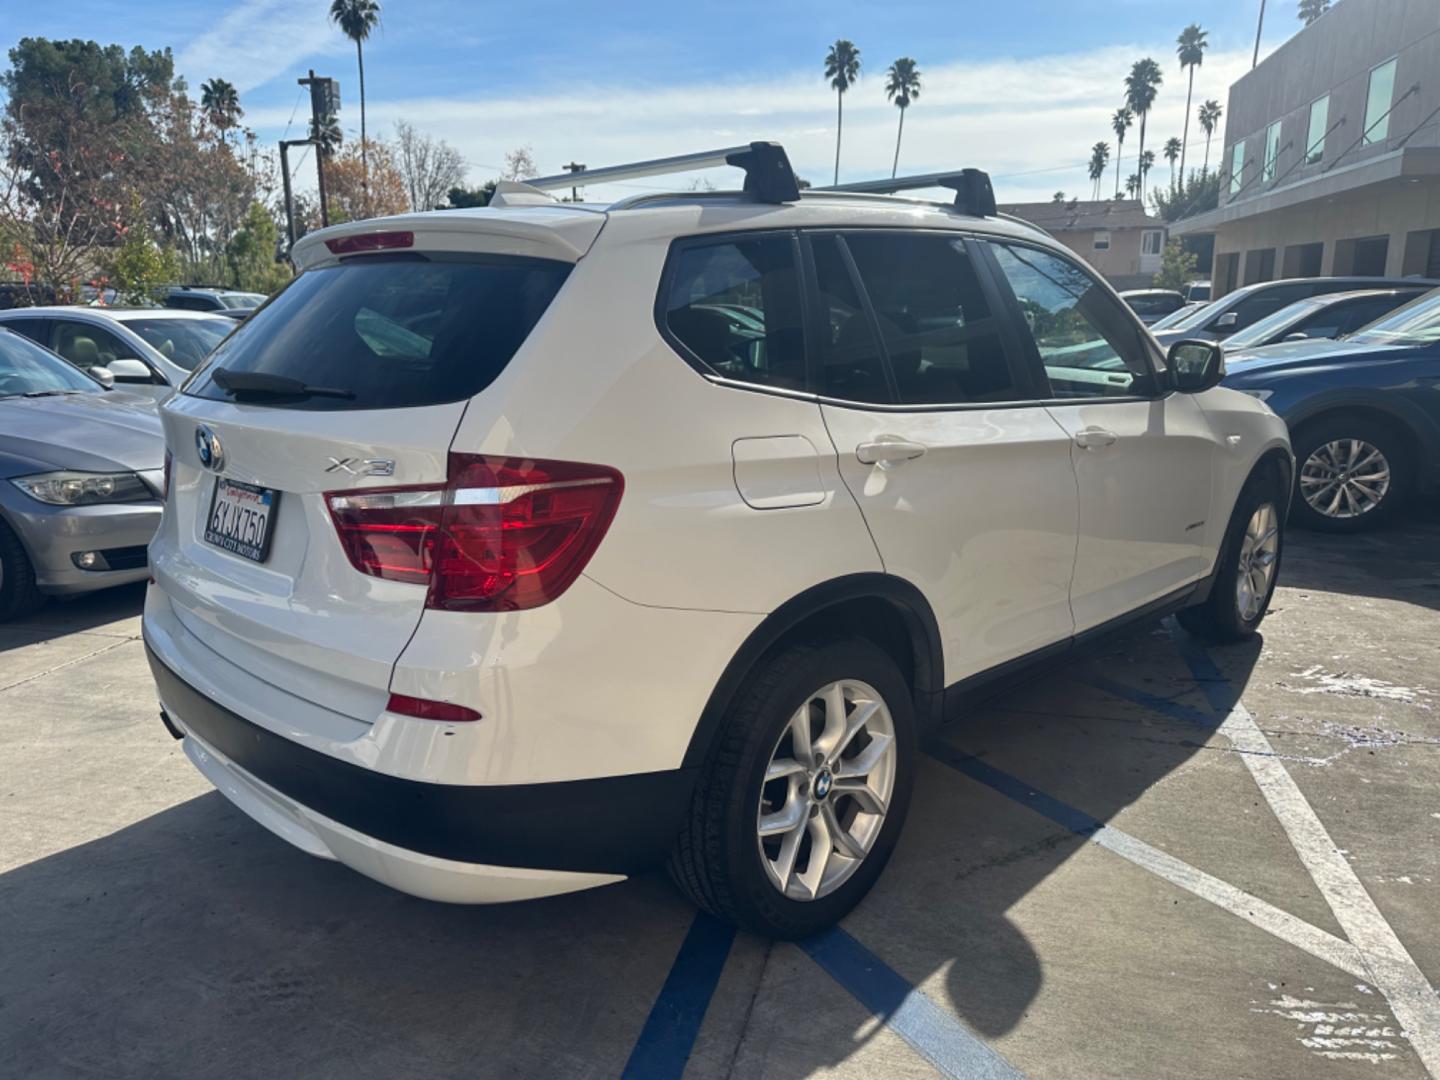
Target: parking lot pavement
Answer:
[[1155, 861]]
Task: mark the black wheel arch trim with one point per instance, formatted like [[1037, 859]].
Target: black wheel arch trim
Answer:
[[904, 598]]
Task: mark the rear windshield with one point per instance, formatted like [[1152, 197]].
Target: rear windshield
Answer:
[[182, 341], [394, 332]]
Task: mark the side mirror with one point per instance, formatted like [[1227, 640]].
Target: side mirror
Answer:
[[130, 370], [1227, 321], [1196, 365], [102, 375]]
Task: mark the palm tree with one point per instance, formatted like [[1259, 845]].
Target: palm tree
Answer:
[[1210, 114], [1146, 163], [1099, 158], [356, 18], [326, 136], [1141, 86], [1172, 151], [1120, 123], [842, 68], [221, 103], [1132, 185], [1310, 10], [902, 86], [1190, 46]]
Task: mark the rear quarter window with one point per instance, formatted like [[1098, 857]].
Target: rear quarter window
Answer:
[[394, 332]]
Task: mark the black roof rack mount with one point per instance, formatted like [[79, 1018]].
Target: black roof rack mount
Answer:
[[768, 176], [973, 193]]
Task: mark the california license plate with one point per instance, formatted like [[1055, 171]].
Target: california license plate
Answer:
[[242, 518]]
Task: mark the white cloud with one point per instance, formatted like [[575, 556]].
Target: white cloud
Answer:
[[1030, 122], [256, 40]]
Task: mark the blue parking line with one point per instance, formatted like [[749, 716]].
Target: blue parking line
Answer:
[[1063, 814], [1173, 709], [669, 1034], [933, 1033]]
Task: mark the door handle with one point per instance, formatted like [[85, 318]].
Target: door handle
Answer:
[[888, 450], [1092, 438]]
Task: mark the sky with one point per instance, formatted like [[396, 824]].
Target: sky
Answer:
[[1021, 89]]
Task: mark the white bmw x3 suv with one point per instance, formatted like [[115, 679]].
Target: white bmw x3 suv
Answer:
[[514, 551]]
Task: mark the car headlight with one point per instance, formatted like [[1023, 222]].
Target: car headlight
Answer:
[[1259, 395], [83, 488]]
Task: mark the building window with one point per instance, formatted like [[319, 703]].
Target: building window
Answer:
[[1237, 167], [1151, 241], [1272, 151], [1379, 103], [1315, 137], [1102, 240]]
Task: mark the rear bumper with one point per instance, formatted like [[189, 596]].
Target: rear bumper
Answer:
[[459, 843]]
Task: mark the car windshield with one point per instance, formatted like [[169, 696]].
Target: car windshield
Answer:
[[242, 299], [1174, 318], [184, 342], [1202, 314], [1272, 326], [1417, 323], [28, 370]]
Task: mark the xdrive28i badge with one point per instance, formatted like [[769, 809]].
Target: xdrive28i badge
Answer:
[[208, 449]]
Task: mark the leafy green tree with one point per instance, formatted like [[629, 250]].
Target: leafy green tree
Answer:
[[356, 19], [1177, 267], [1141, 87], [462, 198], [140, 267], [1210, 114], [250, 253], [1120, 123], [902, 86], [1310, 10], [1190, 47], [842, 68], [1195, 194]]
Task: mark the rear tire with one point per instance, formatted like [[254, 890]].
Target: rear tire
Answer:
[[19, 595], [1351, 475], [766, 804], [1248, 567]]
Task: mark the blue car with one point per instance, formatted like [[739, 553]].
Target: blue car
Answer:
[[1363, 412]]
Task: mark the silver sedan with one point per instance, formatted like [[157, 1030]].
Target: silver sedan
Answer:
[[81, 479]]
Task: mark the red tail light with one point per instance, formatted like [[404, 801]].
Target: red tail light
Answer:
[[502, 534], [385, 241], [426, 709]]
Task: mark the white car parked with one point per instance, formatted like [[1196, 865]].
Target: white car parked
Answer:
[[513, 551], [149, 351]]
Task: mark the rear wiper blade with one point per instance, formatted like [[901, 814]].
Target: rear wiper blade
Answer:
[[239, 384]]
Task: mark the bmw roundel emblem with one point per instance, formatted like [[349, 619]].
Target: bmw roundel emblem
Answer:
[[208, 449], [823, 783]]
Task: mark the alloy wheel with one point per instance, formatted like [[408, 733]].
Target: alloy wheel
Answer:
[[827, 789], [1259, 556], [1345, 478]]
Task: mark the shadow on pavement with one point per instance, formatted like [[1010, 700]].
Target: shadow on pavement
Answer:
[[1400, 563], [74, 615]]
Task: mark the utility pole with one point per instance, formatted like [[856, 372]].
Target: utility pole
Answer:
[[1255, 59], [324, 108], [285, 146], [574, 167]]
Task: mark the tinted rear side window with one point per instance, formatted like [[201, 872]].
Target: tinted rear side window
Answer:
[[395, 333], [735, 306], [942, 341]]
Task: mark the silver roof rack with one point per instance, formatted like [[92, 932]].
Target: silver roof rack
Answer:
[[973, 193], [768, 176]]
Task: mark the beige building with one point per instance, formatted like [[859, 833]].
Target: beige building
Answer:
[[1117, 237], [1332, 152]]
